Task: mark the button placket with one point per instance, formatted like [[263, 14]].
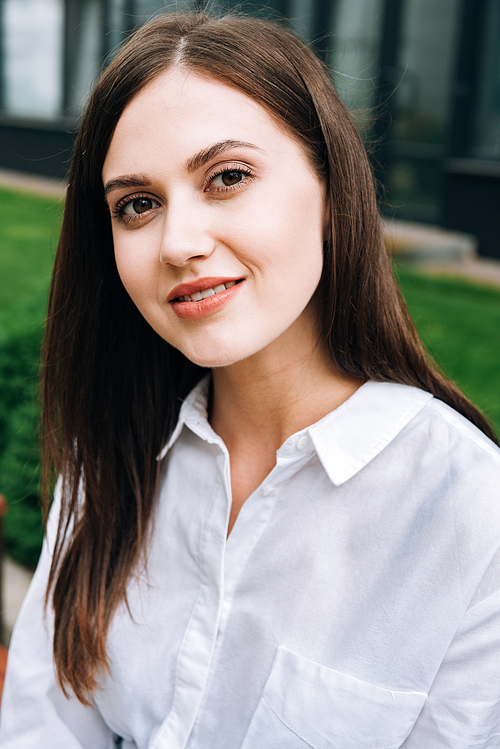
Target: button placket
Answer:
[[200, 638]]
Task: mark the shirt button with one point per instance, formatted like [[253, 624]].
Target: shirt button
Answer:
[[302, 442], [267, 490]]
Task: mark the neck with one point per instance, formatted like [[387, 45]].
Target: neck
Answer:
[[259, 402]]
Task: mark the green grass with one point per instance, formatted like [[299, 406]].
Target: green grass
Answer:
[[459, 323], [28, 236]]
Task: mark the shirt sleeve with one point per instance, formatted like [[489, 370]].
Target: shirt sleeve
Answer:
[[35, 713], [463, 706]]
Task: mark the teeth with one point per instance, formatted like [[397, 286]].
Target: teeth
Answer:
[[199, 295]]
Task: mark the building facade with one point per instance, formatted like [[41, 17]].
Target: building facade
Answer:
[[422, 78]]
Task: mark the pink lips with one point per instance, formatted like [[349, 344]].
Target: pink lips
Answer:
[[191, 310]]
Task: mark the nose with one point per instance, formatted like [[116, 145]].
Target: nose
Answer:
[[187, 234]]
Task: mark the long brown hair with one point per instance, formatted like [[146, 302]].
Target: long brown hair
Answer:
[[112, 387]]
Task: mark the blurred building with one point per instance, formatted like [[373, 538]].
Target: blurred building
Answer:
[[422, 78]]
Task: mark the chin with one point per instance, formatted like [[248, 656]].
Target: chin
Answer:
[[212, 360], [218, 353], [216, 349]]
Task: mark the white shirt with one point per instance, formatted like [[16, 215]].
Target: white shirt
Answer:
[[355, 604]]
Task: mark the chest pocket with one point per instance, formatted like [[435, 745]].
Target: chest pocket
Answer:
[[305, 704]]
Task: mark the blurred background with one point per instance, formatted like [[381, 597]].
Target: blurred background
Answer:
[[422, 79], [423, 76]]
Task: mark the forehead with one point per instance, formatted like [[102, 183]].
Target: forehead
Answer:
[[182, 111]]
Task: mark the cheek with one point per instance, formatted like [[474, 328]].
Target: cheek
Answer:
[[303, 240], [283, 233], [134, 267]]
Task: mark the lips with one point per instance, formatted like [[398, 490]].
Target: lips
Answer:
[[202, 288], [203, 297], [199, 295]]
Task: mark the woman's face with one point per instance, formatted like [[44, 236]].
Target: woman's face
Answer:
[[218, 219]]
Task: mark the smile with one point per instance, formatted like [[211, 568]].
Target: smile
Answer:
[[204, 297], [199, 295]]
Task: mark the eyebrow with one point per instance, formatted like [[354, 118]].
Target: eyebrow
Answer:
[[128, 180], [203, 157], [194, 163]]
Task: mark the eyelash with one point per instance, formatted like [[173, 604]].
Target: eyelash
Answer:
[[117, 211], [224, 170]]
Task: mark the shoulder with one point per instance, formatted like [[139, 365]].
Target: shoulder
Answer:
[[446, 473], [444, 442], [454, 445], [409, 414], [460, 430], [458, 467], [384, 425], [404, 440]]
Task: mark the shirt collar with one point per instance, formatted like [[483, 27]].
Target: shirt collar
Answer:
[[193, 411], [346, 439]]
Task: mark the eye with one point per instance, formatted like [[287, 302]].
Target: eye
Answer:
[[138, 206], [223, 180], [131, 208], [228, 179]]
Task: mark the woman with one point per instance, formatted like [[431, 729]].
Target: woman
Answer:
[[301, 551]]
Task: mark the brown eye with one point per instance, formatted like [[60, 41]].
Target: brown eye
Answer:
[[138, 206], [228, 178], [141, 205], [231, 178]]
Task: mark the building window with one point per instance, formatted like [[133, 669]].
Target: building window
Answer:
[[422, 105], [32, 47], [486, 128], [354, 56]]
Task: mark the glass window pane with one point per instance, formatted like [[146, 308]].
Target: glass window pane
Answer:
[[86, 54], [486, 139], [145, 9], [354, 57], [426, 62], [32, 45], [300, 13], [421, 105]]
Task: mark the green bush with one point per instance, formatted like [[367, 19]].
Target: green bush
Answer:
[[28, 234], [20, 338]]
